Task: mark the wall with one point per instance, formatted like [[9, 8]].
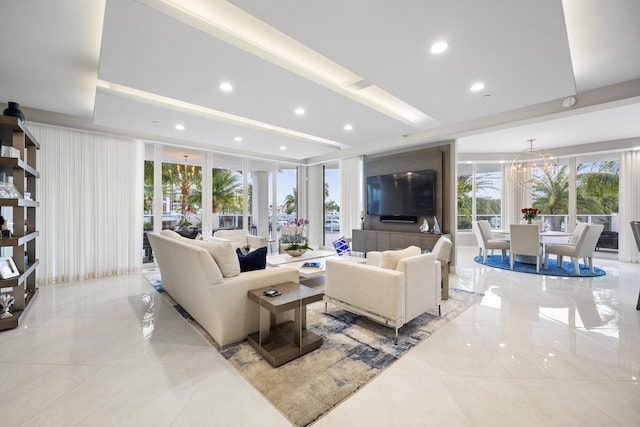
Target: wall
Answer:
[[437, 158]]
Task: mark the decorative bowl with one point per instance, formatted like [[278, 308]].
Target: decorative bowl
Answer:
[[295, 252]]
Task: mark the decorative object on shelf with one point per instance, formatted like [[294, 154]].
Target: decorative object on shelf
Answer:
[[8, 268], [6, 301], [297, 241], [436, 227], [424, 228], [9, 151], [523, 168], [529, 214], [362, 220], [13, 109], [9, 191]]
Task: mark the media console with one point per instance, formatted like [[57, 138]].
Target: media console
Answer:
[[375, 240]]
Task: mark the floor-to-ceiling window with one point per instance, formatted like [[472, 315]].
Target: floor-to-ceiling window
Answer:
[[597, 180], [550, 195], [479, 192]]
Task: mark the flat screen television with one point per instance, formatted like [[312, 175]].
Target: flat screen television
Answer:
[[401, 194]]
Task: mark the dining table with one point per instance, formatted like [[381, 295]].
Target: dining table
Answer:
[[546, 236]]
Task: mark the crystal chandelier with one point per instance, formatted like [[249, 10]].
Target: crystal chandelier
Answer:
[[523, 168]]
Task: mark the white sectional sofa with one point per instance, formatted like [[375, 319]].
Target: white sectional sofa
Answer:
[[193, 273], [392, 288]]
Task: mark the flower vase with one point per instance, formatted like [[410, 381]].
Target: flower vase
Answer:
[[529, 221]]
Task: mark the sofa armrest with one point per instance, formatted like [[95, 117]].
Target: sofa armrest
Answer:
[[256, 242], [422, 284], [373, 289], [374, 258]]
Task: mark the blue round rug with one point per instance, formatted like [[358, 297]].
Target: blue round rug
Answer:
[[554, 270]]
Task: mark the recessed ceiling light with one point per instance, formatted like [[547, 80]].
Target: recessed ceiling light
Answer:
[[348, 127], [179, 127], [299, 111], [225, 87], [439, 47], [476, 87], [238, 139], [282, 147]]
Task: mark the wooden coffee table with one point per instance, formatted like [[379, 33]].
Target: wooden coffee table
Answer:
[[279, 344]]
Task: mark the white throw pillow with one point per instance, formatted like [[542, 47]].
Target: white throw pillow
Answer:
[[223, 254], [390, 258]]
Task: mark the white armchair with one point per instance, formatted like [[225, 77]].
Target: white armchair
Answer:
[[406, 285], [240, 238], [487, 241], [582, 248]]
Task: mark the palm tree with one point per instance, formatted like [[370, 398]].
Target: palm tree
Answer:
[[598, 188], [148, 186], [551, 191], [291, 201], [465, 201], [224, 188]]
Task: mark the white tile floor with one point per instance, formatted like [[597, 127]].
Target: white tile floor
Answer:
[[537, 351]]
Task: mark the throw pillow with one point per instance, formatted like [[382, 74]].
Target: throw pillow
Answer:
[[255, 260], [223, 254], [390, 258], [342, 246]]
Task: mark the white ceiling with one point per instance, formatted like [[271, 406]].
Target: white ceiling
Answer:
[[141, 67]]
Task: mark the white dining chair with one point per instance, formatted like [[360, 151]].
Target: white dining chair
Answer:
[[583, 248], [525, 240], [487, 241]]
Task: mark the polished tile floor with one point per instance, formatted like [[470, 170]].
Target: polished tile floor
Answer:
[[537, 351]]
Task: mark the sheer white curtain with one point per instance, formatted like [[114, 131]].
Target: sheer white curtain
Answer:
[[514, 198], [629, 205], [351, 196], [90, 193]]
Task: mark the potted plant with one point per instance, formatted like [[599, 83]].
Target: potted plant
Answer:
[[297, 242]]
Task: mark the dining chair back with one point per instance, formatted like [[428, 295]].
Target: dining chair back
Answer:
[[525, 240], [577, 232], [487, 241], [442, 252], [583, 248]]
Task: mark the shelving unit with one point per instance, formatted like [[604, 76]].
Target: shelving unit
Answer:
[[21, 246]]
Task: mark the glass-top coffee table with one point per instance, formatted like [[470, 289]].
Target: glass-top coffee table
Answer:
[[279, 344]]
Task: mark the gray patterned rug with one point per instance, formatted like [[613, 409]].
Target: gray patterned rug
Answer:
[[354, 351]]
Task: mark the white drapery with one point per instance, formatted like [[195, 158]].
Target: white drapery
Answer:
[[629, 205], [351, 194], [515, 198], [91, 204]]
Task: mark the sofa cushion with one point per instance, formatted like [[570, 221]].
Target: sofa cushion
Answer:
[[238, 238], [390, 258], [223, 254], [254, 260]]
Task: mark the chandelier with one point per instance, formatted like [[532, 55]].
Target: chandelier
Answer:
[[524, 167]]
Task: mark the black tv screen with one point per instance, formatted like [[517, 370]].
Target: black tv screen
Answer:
[[406, 194]]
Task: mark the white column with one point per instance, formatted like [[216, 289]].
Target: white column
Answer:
[[207, 197], [157, 187], [260, 197], [315, 204], [573, 201]]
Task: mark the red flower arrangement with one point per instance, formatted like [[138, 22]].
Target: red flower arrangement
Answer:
[[529, 213]]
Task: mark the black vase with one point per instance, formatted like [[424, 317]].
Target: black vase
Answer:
[[13, 109]]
